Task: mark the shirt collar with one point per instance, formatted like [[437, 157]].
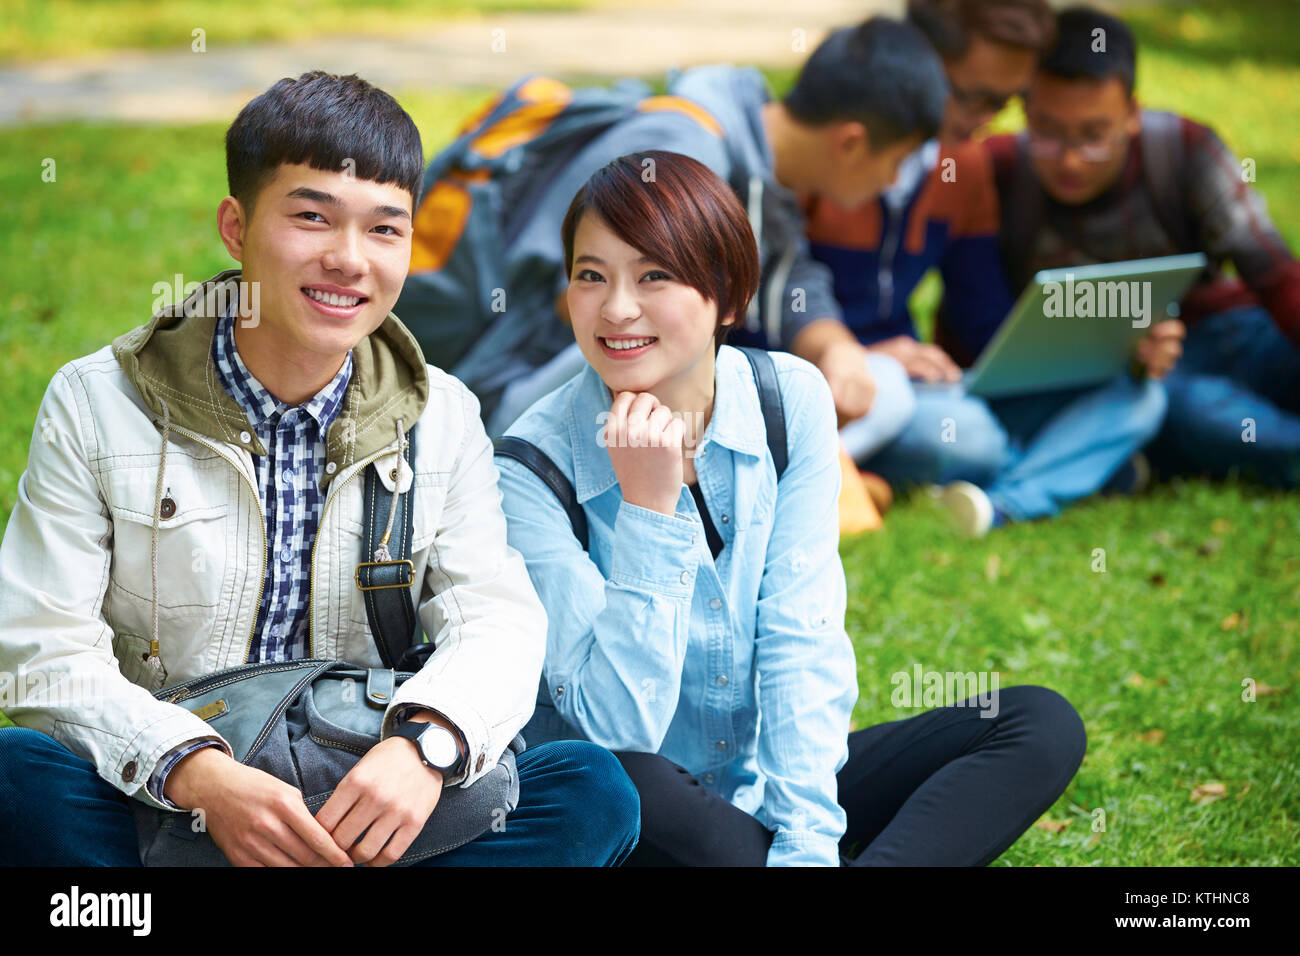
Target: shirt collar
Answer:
[[259, 404], [737, 422]]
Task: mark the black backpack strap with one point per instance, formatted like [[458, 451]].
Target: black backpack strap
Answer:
[[1163, 169], [386, 585], [537, 461], [769, 399], [1021, 198]]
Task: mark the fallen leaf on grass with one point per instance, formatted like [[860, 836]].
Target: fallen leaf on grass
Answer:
[[1210, 546], [1157, 580], [1220, 525], [1135, 679], [1152, 736], [1208, 792], [992, 568], [1230, 622], [1052, 826]]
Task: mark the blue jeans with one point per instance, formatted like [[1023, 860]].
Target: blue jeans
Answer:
[[1234, 402], [577, 807], [893, 408], [1033, 454]]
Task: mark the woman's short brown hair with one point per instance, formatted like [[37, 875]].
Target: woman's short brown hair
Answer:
[[676, 211]]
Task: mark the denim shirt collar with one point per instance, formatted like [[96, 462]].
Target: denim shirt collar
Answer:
[[737, 422]]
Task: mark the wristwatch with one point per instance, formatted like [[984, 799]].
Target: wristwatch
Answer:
[[437, 746]]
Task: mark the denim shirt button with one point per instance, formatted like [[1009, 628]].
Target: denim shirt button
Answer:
[[725, 518], [686, 577], [722, 682], [559, 690], [715, 604], [708, 778], [722, 745]]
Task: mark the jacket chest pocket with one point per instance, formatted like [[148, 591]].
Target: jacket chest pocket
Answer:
[[195, 532]]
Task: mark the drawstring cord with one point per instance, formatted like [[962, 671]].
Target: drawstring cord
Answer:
[[381, 552], [154, 661]]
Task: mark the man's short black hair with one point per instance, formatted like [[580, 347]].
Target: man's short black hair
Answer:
[[882, 73], [951, 25], [1091, 45], [327, 122]]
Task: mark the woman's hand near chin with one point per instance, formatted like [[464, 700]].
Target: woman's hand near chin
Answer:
[[644, 440]]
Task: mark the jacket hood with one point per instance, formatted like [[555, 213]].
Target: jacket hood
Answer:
[[735, 96], [164, 357]]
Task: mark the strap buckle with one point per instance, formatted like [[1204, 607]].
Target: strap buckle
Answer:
[[410, 574]]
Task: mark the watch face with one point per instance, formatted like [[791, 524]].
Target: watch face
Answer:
[[439, 746]]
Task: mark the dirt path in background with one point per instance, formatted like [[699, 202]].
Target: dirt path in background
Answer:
[[622, 38]]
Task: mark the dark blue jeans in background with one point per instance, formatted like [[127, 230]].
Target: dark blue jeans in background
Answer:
[[1234, 402], [576, 808]]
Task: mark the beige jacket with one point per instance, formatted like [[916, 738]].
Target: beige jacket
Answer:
[[76, 575]]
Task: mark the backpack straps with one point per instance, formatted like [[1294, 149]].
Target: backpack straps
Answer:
[[1163, 167], [386, 585], [540, 464], [769, 399], [1021, 199]]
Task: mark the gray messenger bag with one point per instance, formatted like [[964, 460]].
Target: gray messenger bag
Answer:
[[308, 722]]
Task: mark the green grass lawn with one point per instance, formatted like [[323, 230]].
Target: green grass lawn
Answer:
[[35, 29], [1201, 583]]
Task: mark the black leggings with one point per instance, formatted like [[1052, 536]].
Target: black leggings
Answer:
[[944, 788]]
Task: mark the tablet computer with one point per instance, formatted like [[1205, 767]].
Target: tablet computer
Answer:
[[1080, 325]]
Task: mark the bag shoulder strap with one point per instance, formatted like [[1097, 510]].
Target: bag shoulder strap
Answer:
[[769, 399], [1163, 168], [386, 585], [541, 465], [1021, 199]]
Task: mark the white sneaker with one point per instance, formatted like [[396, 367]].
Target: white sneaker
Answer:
[[969, 508]]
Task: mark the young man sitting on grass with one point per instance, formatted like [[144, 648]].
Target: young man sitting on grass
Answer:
[[1099, 179], [192, 502], [1017, 457]]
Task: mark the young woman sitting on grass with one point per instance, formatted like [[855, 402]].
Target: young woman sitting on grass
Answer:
[[700, 633]]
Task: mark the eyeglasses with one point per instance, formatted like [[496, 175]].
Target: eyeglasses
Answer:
[[1096, 149], [981, 100]]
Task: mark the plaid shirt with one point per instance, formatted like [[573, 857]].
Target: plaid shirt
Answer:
[[288, 480]]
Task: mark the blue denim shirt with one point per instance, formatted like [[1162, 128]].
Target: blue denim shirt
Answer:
[[740, 670]]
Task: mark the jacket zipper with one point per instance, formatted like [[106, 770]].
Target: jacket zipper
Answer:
[[261, 581]]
